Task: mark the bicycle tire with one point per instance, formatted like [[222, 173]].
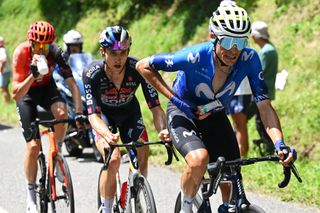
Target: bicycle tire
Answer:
[[196, 203], [98, 194], [143, 196], [41, 191], [252, 208], [65, 194]]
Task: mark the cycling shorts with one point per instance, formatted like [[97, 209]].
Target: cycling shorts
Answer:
[[44, 96], [214, 133], [128, 120], [239, 103]]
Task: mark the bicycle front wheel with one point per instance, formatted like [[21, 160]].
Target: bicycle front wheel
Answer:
[[143, 196], [64, 201], [195, 207], [41, 191]]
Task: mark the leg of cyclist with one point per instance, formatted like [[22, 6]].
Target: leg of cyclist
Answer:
[[59, 111], [27, 113], [108, 185], [219, 139], [186, 139], [133, 129], [240, 125]]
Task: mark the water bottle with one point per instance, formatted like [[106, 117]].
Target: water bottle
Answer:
[[42, 65]]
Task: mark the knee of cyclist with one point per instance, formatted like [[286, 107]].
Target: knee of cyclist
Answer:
[[33, 149], [114, 164], [198, 162]]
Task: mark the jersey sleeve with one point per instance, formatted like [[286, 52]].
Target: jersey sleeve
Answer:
[[65, 70], [150, 94], [20, 65], [91, 90], [255, 76], [171, 62]]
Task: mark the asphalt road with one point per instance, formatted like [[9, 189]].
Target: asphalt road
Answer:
[[164, 183]]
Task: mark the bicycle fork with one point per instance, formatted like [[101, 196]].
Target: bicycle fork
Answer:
[[239, 198]]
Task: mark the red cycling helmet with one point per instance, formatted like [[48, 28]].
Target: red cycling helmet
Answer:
[[41, 32]]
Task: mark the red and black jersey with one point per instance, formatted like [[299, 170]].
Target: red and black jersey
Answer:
[[103, 96]]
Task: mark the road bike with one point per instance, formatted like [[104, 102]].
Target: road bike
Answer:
[[134, 195], [223, 171], [51, 189]]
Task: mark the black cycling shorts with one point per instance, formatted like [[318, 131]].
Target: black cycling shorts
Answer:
[[213, 133], [44, 96], [128, 120]]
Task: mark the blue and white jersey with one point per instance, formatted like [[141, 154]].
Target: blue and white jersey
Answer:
[[196, 70]]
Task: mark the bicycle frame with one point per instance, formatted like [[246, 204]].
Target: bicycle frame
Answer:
[[218, 174], [53, 150], [134, 172], [53, 158]]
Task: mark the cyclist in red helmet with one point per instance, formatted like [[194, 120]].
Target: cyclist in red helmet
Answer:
[[32, 85]]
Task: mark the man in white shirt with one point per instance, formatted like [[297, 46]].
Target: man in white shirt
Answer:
[[5, 71]]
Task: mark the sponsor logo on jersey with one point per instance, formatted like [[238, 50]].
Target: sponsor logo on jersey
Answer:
[[204, 89], [188, 133], [132, 84], [193, 59], [229, 88], [91, 70], [246, 55], [261, 77]]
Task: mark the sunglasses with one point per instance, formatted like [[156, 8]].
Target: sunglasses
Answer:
[[40, 47], [228, 42]]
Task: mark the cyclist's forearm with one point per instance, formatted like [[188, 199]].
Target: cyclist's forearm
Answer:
[[21, 89], [270, 121], [154, 78], [159, 118], [76, 95], [98, 124]]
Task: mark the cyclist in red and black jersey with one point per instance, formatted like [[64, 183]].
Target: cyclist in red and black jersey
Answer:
[[32, 86], [110, 87]]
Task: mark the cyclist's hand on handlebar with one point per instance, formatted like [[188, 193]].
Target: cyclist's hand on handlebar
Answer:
[[286, 154], [111, 138], [164, 135], [81, 121]]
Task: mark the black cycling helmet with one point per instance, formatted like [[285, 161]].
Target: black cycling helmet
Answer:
[[115, 38]]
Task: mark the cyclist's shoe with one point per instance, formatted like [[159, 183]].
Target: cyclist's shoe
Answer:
[[223, 208], [102, 209], [59, 174], [32, 208]]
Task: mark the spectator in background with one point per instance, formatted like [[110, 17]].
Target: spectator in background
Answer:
[[269, 60], [5, 71]]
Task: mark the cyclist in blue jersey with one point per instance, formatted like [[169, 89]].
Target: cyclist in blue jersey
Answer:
[[208, 75], [110, 86]]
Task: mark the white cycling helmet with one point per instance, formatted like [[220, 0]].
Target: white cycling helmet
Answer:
[[230, 20], [72, 37]]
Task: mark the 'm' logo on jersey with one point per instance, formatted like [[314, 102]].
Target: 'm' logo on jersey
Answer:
[[193, 59], [230, 87], [204, 89], [246, 55]]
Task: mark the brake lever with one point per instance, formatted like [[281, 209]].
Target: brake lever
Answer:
[[295, 172]]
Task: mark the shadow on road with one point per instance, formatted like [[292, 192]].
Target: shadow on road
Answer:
[[3, 127]]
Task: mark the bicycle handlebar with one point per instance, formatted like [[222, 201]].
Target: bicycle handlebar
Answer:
[[135, 144], [218, 168], [34, 127]]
